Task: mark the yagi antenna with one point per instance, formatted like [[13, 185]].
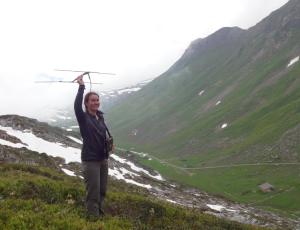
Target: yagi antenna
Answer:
[[82, 71], [85, 73], [77, 71], [98, 83]]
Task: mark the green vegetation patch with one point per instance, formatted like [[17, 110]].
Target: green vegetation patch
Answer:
[[240, 183], [41, 198]]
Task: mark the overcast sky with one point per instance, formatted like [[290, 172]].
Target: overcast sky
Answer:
[[136, 39]]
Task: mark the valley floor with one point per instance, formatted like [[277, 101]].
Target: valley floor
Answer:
[[239, 183]]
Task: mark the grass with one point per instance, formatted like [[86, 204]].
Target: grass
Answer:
[[34, 197], [260, 103], [255, 133], [240, 183]]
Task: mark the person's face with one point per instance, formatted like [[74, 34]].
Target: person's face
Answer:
[[93, 103]]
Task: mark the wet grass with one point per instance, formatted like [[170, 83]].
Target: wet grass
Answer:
[[241, 183], [41, 198]]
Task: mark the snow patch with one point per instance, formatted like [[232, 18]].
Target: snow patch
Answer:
[[146, 82], [63, 117], [8, 143], [69, 130], [293, 61], [125, 171], [117, 158], [224, 125], [219, 208], [68, 172], [218, 102], [139, 154], [119, 176], [201, 92], [42, 146], [134, 132], [75, 139], [136, 168], [172, 201], [128, 90]]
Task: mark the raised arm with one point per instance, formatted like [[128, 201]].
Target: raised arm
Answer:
[[78, 100]]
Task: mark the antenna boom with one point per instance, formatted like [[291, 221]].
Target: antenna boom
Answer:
[[82, 71], [97, 83]]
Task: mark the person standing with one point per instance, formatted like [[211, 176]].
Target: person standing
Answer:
[[94, 155]]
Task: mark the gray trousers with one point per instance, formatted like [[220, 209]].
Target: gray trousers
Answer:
[[95, 178]]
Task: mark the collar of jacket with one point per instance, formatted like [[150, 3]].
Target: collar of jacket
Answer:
[[99, 113]]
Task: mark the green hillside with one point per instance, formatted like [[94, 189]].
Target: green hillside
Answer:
[[34, 197], [234, 78]]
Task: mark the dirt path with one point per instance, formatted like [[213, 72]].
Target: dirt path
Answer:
[[220, 166], [241, 165]]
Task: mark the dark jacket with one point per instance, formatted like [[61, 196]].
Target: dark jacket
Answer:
[[93, 131]]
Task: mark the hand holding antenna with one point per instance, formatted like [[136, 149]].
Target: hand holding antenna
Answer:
[[79, 79]]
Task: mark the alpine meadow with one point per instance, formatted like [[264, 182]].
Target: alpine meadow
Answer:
[[225, 117], [147, 115]]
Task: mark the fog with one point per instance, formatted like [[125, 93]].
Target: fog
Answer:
[[137, 40]]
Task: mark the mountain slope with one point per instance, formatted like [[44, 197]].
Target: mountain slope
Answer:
[[233, 98], [243, 79], [36, 193]]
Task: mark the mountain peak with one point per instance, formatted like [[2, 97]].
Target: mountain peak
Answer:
[[226, 36], [222, 35], [285, 18], [275, 30]]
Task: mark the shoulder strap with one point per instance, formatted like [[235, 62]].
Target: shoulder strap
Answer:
[[106, 129], [101, 115]]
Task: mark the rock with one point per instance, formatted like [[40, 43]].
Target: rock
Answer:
[[266, 187]]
